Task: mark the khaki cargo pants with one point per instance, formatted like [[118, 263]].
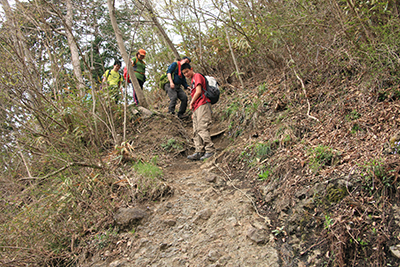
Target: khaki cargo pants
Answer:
[[201, 129]]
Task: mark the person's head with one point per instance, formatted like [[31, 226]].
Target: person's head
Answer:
[[186, 60], [187, 70], [141, 54], [117, 64]]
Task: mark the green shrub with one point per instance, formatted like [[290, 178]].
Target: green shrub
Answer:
[[148, 169], [320, 156], [354, 115], [377, 179], [262, 151], [355, 128], [262, 89], [231, 110], [171, 144], [103, 239], [148, 182], [256, 153], [328, 222], [265, 174]]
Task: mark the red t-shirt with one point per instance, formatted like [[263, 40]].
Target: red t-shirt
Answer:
[[196, 80]]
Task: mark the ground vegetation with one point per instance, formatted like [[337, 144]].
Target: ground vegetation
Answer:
[[307, 124]]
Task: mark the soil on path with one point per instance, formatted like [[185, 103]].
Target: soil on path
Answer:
[[207, 222]]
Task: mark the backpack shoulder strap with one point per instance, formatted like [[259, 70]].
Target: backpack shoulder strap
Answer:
[[203, 89], [173, 73], [108, 74], [178, 66], [135, 62], [205, 79]]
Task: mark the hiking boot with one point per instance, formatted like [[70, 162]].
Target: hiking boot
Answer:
[[181, 116], [195, 156], [207, 155]]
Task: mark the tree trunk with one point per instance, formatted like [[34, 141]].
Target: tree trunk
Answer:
[[74, 49], [121, 45], [153, 17]]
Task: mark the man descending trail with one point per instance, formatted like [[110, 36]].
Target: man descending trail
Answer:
[[114, 80], [173, 88], [201, 107]]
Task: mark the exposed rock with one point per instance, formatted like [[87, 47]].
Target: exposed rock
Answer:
[[141, 111], [170, 222], [164, 246], [395, 250], [203, 215], [213, 255], [271, 257], [100, 264], [282, 204], [209, 163], [396, 214], [119, 263], [270, 192], [257, 235], [208, 176], [127, 216], [270, 188]]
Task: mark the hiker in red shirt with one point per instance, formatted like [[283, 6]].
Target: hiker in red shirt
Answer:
[[201, 107]]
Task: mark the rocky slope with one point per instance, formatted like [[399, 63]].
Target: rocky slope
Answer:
[[207, 222]]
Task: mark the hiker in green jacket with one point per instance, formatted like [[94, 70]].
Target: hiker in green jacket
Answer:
[[139, 67]]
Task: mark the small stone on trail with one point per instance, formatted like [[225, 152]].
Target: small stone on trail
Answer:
[[213, 255], [170, 222], [208, 176], [163, 246], [126, 216], [256, 235]]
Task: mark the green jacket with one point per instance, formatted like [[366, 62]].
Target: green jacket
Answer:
[[139, 67]]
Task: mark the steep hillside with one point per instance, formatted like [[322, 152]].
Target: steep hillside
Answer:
[[304, 176]]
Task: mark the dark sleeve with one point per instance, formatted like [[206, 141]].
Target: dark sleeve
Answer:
[[172, 67]]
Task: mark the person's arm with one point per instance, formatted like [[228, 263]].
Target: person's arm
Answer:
[[184, 83], [171, 69], [196, 95], [171, 82], [104, 77]]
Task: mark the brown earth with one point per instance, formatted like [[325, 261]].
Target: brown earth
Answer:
[[306, 212]]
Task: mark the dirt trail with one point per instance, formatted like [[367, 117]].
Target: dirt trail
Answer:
[[205, 223]]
